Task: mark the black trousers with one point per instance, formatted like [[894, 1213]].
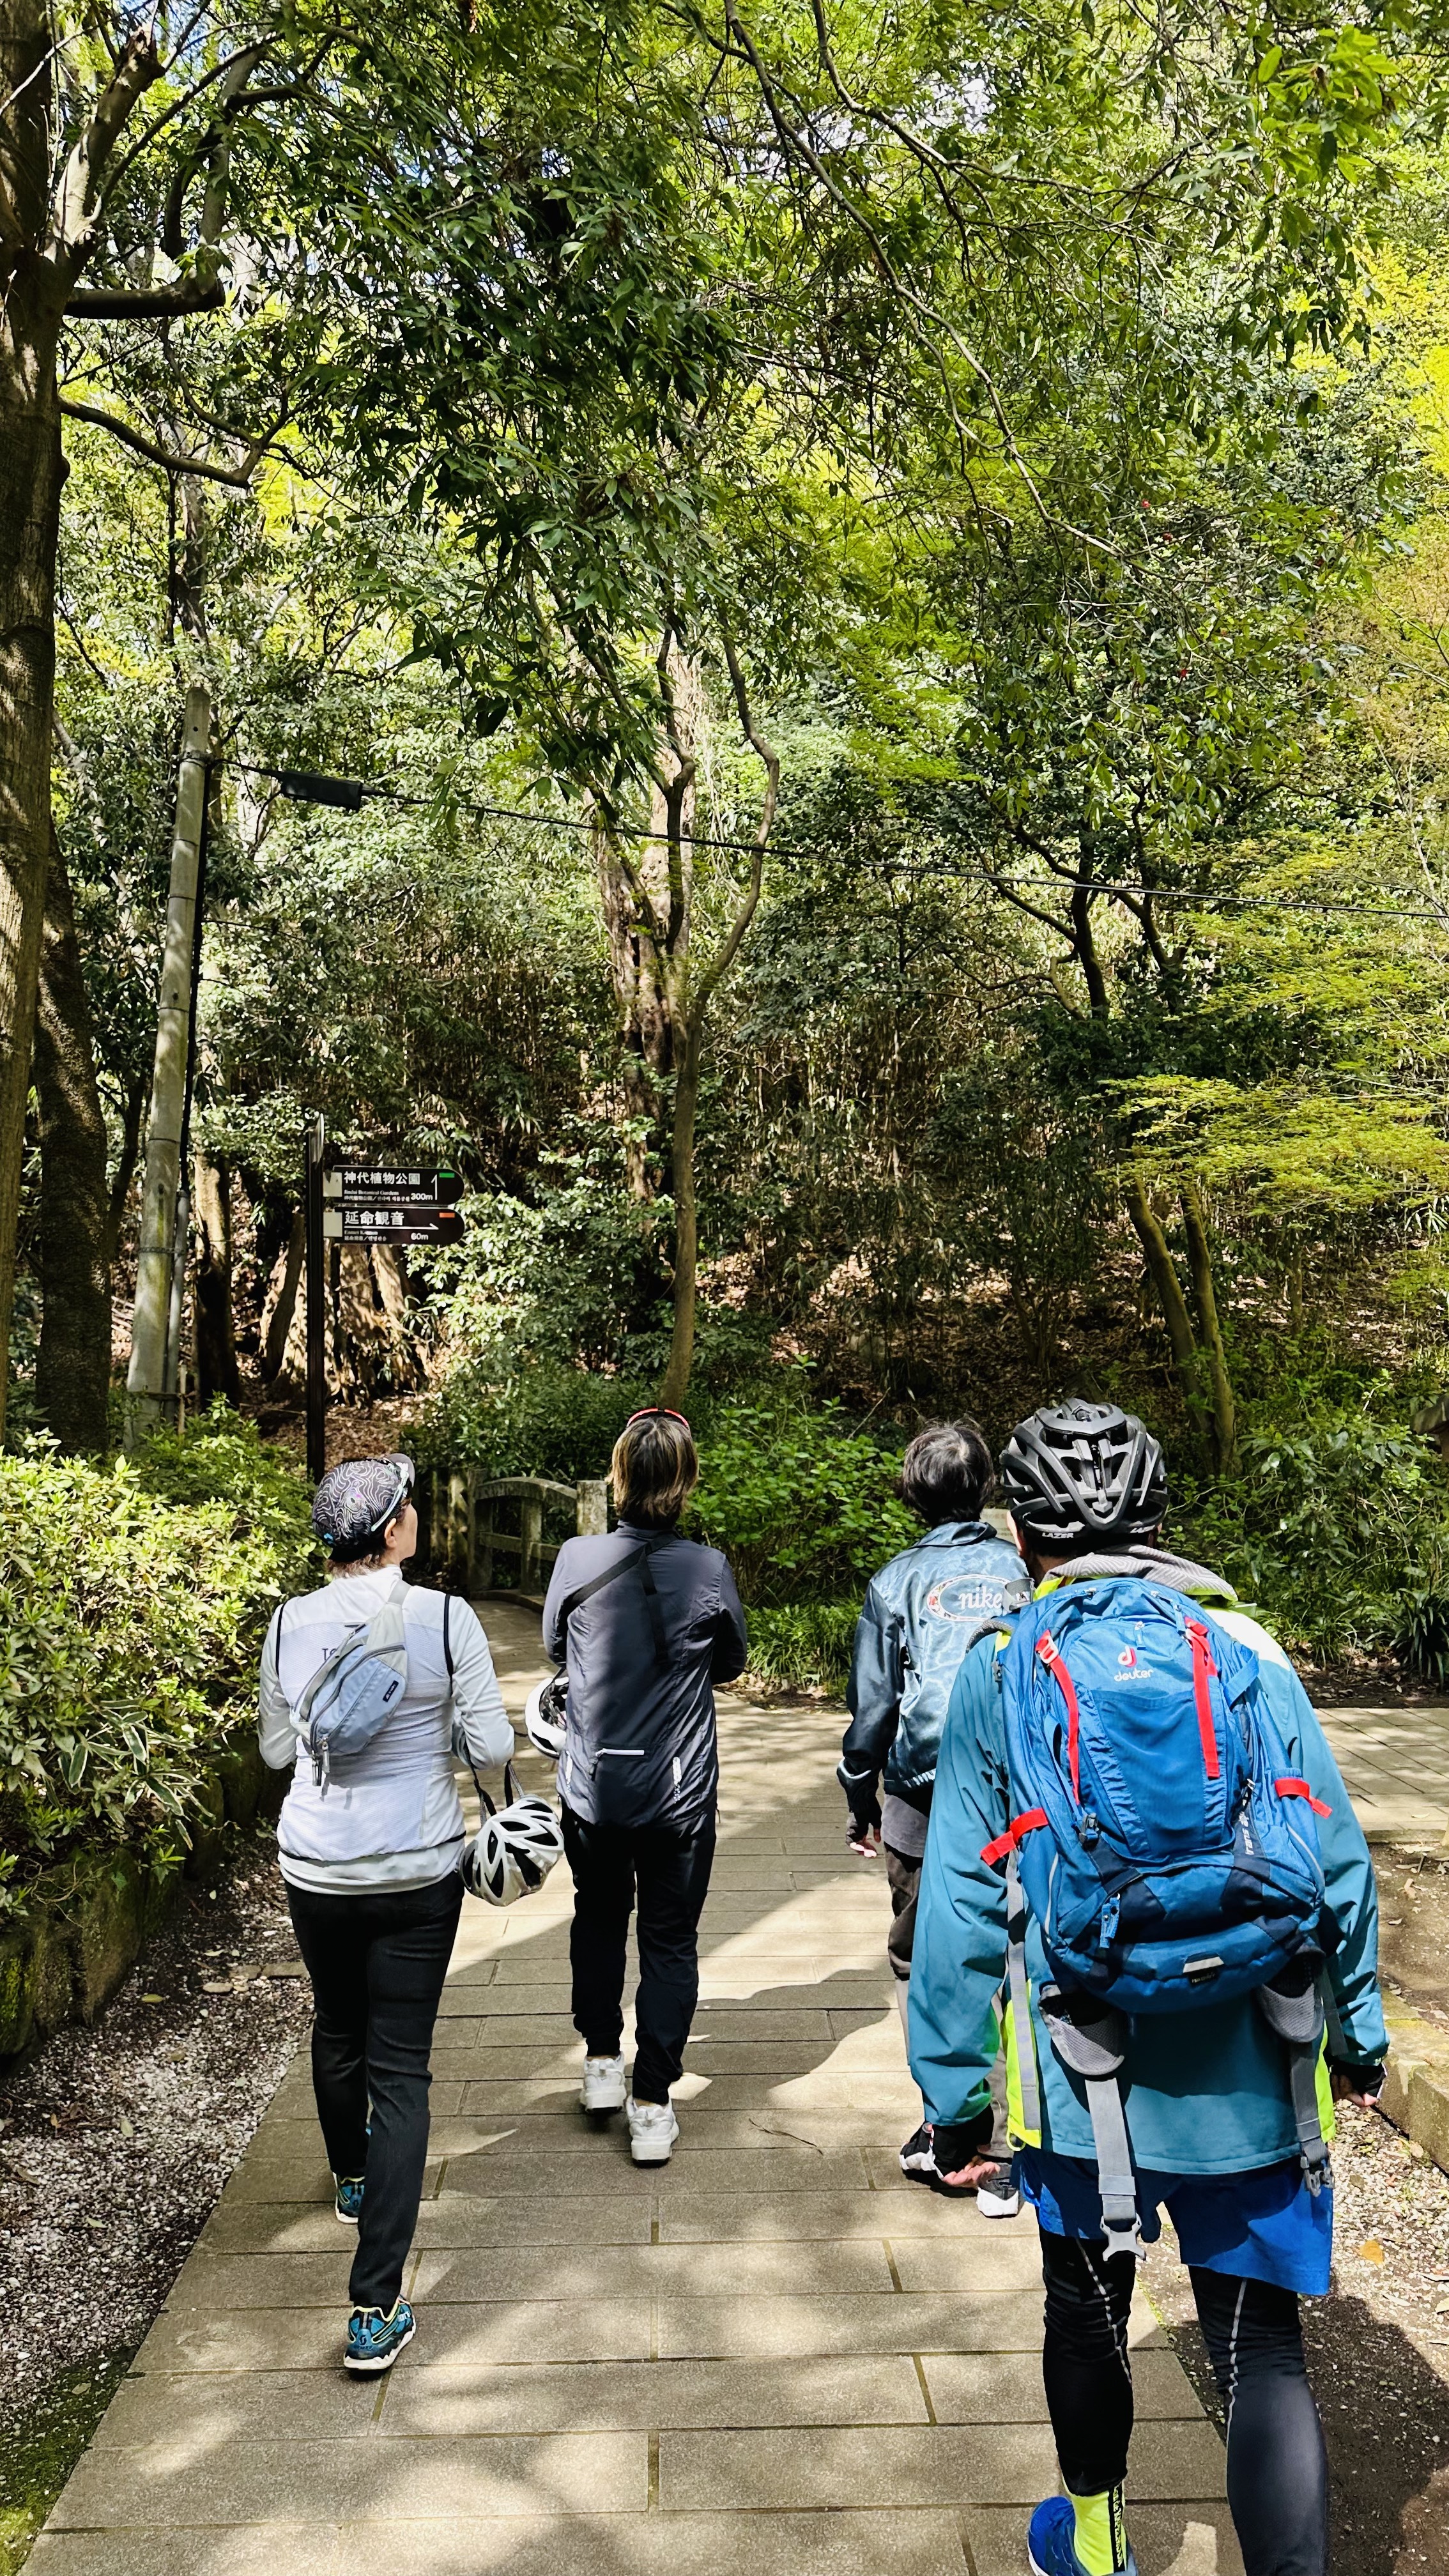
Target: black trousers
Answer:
[[663, 1873], [1277, 2465], [904, 1877], [377, 1964]]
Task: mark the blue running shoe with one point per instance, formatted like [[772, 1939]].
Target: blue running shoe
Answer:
[[1051, 2537], [348, 2203], [374, 2341]]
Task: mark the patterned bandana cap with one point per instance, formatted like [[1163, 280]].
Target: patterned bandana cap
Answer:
[[354, 1502]]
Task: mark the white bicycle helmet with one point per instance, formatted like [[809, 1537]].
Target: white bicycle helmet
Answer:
[[515, 1847], [543, 1716]]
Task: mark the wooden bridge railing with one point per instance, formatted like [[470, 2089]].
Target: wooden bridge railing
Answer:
[[458, 1515]]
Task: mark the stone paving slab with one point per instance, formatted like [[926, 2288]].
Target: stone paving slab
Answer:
[[772, 2357], [1395, 1764], [921, 2542]]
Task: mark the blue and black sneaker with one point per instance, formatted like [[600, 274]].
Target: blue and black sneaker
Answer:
[[348, 2203], [1051, 2538], [374, 2340]]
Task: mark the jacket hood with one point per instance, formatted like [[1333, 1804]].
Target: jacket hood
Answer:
[[1146, 1565]]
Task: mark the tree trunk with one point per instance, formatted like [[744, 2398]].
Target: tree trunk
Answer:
[[1083, 935], [73, 1364], [151, 1374], [686, 1216], [1199, 1254], [216, 1368], [131, 1120], [643, 1015], [1162, 1271], [31, 472], [279, 1323]]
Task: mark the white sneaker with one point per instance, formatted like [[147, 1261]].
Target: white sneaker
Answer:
[[653, 2129], [604, 2088], [999, 2200]]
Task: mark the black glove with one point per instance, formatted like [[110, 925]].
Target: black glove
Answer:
[[955, 2142], [863, 1821], [862, 1800], [1368, 2079]]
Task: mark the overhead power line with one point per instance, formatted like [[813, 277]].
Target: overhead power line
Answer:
[[348, 795]]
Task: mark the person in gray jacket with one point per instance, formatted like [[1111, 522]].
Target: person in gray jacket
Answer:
[[921, 1613], [370, 1857], [646, 1623]]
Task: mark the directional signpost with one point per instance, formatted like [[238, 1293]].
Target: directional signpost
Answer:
[[394, 1203], [391, 1203]]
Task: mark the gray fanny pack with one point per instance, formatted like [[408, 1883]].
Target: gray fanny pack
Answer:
[[354, 1692]]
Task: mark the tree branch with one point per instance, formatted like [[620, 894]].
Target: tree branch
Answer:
[[144, 303], [1008, 894], [675, 789], [769, 758], [923, 317], [1085, 942], [78, 196], [239, 477]]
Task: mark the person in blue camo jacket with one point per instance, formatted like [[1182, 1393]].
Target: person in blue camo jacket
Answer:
[[921, 1612]]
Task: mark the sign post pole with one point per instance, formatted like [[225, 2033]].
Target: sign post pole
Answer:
[[316, 1306]]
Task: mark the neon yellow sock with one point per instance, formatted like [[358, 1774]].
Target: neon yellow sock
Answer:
[[1101, 2534]]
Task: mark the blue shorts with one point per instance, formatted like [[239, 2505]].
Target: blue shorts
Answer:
[[1260, 2226]]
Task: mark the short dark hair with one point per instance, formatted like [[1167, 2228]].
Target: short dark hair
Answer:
[[947, 1474]]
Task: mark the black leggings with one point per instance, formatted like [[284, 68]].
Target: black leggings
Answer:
[[377, 1963], [1277, 2466]]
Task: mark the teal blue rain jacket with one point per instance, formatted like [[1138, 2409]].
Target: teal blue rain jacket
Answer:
[[1206, 2091]]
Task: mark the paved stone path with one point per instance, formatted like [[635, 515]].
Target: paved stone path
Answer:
[[773, 2356], [1395, 1762]]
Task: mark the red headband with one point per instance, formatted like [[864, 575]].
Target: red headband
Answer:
[[648, 1412]]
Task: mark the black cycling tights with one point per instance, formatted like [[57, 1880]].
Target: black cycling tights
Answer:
[[1277, 2467]]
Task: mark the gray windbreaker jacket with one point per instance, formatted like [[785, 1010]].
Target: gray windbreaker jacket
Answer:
[[640, 1746]]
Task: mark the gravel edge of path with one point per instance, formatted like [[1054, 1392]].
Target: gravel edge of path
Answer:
[[117, 2140]]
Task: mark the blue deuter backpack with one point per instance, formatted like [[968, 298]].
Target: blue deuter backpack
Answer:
[[1166, 1850]]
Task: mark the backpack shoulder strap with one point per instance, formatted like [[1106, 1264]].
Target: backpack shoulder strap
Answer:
[[611, 1574], [447, 1641], [639, 1557]]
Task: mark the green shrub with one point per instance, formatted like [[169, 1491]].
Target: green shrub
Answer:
[[133, 1600], [806, 1646], [548, 1420], [1339, 1532], [220, 1459], [803, 1504]]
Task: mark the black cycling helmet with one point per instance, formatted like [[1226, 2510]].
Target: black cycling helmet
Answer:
[[1075, 1472]]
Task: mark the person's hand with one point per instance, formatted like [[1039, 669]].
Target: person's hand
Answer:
[[1358, 2084], [863, 1838], [970, 2176]]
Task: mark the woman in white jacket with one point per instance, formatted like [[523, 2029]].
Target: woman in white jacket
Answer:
[[370, 1858]]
